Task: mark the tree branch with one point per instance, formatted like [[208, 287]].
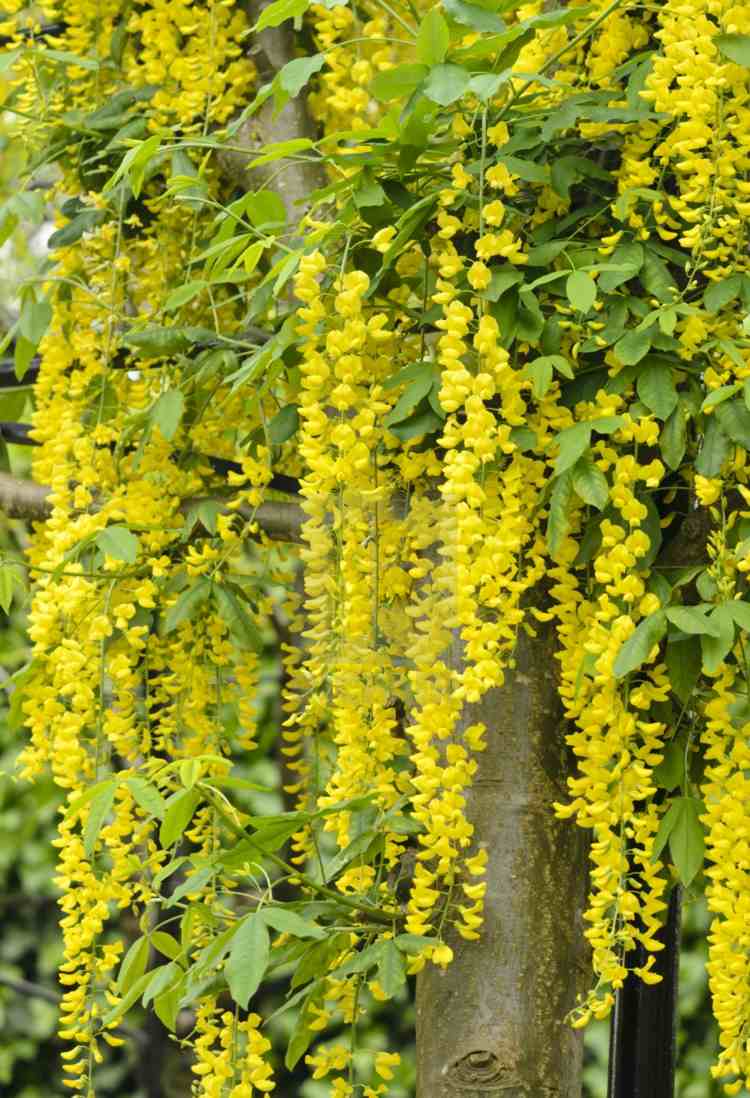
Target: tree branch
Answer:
[[23, 499], [37, 991]]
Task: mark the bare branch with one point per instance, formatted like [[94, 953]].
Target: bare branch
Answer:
[[23, 499], [37, 991]]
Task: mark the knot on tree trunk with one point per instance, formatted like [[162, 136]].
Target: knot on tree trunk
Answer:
[[482, 1070]]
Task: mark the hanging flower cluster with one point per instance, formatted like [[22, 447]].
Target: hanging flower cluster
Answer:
[[500, 358]]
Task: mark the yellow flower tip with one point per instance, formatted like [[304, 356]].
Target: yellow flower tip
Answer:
[[707, 489], [442, 955], [733, 1088], [385, 1063]]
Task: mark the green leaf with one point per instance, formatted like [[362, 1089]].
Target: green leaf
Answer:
[[686, 841], [735, 47], [277, 150], [657, 390], [397, 83], [277, 13], [193, 884], [8, 580], [524, 438], [299, 1040], [718, 396], [581, 290], [249, 258], [368, 192], [63, 57], [433, 38], [34, 319], [179, 811], [445, 84], [190, 772], [714, 451], [183, 294], [391, 974], [159, 980], [673, 438], [237, 618], [706, 585], [740, 612], [501, 280], [187, 604], [539, 373], [559, 362], [572, 443], [422, 421], [355, 849], [133, 965], [558, 522], [166, 944], [670, 771], [422, 380], [138, 164], [471, 15], [630, 257], [265, 208], [284, 425], [362, 961], [147, 797], [167, 413], [656, 277], [316, 960], [637, 648], [295, 74], [248, 959], [691, 620], [100, 808], [23, 354], [633, 346], [717, 647], [666, 824], [734, 418], [413, 943], [158, 342], [119, 542], [590, 483], [134, 992], [167, 1005], [289, 922], [719, 294]]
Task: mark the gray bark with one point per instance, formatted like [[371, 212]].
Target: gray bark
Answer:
[[492, 1023], [293, 179]]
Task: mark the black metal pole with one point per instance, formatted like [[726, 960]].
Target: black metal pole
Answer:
[[643, 1035]]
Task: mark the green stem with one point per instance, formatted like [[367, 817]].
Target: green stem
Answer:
[[373, 913]]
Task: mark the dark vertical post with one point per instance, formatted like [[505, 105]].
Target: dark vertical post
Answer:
[[643, 1038]]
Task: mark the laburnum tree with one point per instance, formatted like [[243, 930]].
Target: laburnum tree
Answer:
[[445, 306]]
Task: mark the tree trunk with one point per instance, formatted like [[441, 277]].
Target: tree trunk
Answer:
[[493, 1021]]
